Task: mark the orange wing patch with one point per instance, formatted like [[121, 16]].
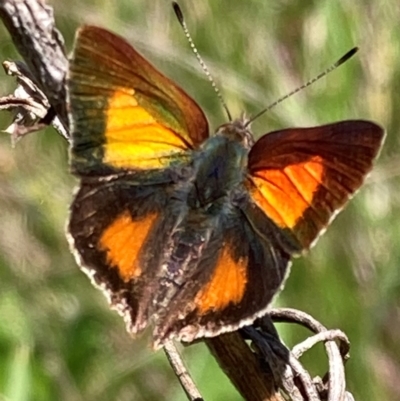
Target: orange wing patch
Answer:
[[122, 241], [129, 144], [227, 284], [285, 194]]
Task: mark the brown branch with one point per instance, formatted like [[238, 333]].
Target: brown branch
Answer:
[[30, 106], [267, 370], [243, 368], [334, 384], [179, 368], [32, 29]]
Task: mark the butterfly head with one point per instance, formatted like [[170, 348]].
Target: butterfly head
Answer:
[[238, 131]]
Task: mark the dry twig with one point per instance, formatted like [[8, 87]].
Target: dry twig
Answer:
[[32, 29]]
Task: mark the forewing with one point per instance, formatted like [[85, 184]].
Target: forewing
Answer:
[[301, 177], [125, 114]]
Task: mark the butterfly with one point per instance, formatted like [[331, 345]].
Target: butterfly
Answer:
[[187, 231]]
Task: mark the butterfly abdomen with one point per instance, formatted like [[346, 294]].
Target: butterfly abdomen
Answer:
[[181, 255]]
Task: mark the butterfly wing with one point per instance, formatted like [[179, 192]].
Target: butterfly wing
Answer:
[[301, 177], [230, 285], [111, 229], [125, 114], [131, 128]]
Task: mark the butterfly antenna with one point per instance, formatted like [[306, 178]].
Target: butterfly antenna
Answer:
[[179, 15], [338, 63]]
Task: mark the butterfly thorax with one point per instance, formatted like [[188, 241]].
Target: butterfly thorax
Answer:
[[221, 165]]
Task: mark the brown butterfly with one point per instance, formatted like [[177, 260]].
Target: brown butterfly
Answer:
[[191, 232]]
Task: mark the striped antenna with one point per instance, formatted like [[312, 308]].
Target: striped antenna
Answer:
[[179, 16], [338, 63]]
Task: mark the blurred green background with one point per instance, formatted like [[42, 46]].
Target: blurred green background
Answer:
[[58, 338]]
